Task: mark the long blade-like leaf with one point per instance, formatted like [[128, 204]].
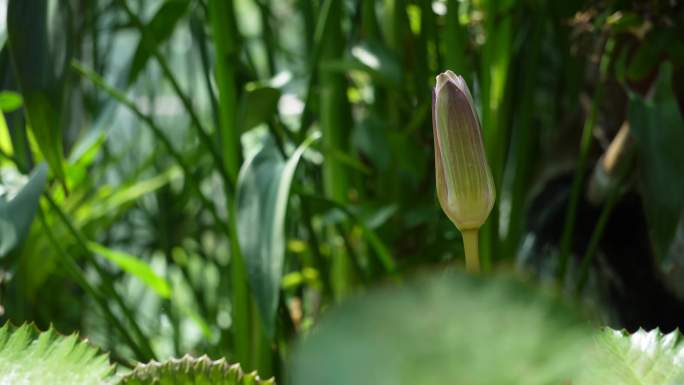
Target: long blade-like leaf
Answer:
[[261, 202], [34, 65]]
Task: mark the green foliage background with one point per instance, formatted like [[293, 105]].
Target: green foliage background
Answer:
[[211, 176]]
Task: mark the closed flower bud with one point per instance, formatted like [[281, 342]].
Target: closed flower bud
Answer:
[[465, 187]]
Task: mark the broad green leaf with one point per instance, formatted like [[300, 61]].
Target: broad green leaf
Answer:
[[658, 128], [450, 328], [9, 101], [258, 105], [135, 267], [192, 371], [651, 358], [160, 29], [17, 210], [261, 202], [29, 357], [35, 63]]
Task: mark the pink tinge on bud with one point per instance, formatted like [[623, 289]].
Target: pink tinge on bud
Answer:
[[465, 187]]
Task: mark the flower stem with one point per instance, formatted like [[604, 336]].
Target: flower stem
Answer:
[[472, 256]]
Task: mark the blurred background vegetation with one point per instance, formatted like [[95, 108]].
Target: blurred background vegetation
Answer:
[[208, 176]]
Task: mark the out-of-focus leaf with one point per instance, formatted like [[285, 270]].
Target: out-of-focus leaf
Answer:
[[110, 201], [82, 157], [159, 29], [374, 241], [624, 21], [450, 329], [651, 358], [258, 105], [135, 267], [5, 138], [35, 63], [658, 128], [262, 195], [29, 357], [17, 211], [192, 371], [373, 59], [9, 101], [658, 44]]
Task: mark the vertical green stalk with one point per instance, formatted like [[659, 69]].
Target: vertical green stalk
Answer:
[[495, 64], [333, 108], [334, 126], [585, 146], [455, 43], [226, 44], [267, 35], [524, 140], [370, 30], [240, 299]]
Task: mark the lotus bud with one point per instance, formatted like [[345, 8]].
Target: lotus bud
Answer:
[[465, 187]]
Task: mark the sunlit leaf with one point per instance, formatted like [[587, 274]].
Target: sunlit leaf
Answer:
[[651, 358], [262, 195], [5, 138], [28, 357], [135, 267], [9, 101]]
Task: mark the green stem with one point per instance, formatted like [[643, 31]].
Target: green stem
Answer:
[[228, 176], [596, 238], [104, 276], [224, 30], [470, 246], [585, 146], [79, 276], [245, 344], [496, 59], [159, 135]]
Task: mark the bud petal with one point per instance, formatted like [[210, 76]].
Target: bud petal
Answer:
[[465, 187]]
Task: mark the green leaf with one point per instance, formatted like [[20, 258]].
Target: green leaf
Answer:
[[651, 358], [448, 329], [374, 60], [160, 29], [258, 105], [5, 139], [31, 358], [35, 63], [114, 202], [261, 202], [192, 371], [17, 211], [9, 101], [135, 267], [658, 128]]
